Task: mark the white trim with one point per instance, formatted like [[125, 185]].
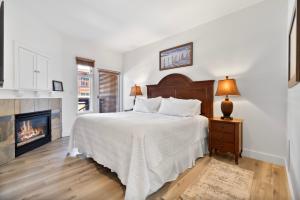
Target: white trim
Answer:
[[264, 156], [290, 183], [66, 133]]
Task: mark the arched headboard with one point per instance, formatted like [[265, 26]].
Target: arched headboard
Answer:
[[182, 87]]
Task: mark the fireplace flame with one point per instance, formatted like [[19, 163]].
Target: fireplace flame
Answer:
[[27, 131]]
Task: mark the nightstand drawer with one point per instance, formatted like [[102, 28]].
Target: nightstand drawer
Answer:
[[223, 136], [216, 135], [222, 146], [217, 143], [223, 127]]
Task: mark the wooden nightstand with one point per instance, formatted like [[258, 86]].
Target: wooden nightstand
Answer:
[[226, 136]]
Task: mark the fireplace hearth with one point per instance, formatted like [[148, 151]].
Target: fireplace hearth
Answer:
[[32, 130]]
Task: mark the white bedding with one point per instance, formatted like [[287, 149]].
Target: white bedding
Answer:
[[146, 150]]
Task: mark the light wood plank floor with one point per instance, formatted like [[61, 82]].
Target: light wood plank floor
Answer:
[[46, 173]]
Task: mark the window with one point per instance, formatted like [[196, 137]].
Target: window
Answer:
[[85, 84]]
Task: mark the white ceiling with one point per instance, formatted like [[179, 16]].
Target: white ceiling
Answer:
[[124, 25]]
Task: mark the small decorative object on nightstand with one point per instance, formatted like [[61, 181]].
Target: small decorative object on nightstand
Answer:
[[226, 136], [135, 91], [225, 88]]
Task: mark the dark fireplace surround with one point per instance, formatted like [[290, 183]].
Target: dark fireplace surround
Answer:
[[32, 130]]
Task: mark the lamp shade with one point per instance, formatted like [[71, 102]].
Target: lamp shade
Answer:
[[136, 91], [227, 87]]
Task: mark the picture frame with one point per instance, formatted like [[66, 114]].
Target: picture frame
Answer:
[[294, 50], [57, 86], [175, 57]]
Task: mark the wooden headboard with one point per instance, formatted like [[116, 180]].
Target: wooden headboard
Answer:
[[182, 87]]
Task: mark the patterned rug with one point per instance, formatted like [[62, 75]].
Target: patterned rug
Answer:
[[221, 181]]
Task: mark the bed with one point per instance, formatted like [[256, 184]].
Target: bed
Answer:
[[147, 150]]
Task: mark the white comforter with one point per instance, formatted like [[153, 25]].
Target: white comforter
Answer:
[[145, 150]]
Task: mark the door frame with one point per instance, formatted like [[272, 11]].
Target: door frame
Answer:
[[96, 88]]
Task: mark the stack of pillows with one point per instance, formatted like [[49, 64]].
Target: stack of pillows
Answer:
[[168, 106]]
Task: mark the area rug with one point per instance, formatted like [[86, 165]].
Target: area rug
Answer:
[[221, 181]]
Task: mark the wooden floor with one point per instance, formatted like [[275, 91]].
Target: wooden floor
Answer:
[[46, 173]]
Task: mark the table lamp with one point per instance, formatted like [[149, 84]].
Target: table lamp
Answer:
[[135, 91], [225, 88]]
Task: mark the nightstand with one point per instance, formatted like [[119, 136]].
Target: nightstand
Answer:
[[226, 136]]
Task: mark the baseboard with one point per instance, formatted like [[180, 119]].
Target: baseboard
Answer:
[[264, 157], [66, 133], [290, 182]]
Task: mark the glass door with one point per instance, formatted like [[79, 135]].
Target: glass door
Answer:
[[85, 88], [109, 92]]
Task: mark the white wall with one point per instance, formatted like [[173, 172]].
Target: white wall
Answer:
[[293, 125], [105, 59], [248, 45], [30, 31]]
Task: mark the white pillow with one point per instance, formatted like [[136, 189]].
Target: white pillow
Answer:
[[147, 105], [179, 107], [196, 102]]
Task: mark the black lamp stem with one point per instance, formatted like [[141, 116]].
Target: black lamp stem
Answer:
[[134, 100]]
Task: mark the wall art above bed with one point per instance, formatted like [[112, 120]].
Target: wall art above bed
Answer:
[[179, 56]]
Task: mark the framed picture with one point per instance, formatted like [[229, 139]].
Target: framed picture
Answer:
[[294, 50], [179, 56], [57, 86]]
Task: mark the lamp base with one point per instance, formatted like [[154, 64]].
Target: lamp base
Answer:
[[228, 118], [227, 108]]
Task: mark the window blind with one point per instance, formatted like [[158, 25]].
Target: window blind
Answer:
[[85, 61]]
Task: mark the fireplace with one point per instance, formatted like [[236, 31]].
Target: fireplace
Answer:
[[32, 130]]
